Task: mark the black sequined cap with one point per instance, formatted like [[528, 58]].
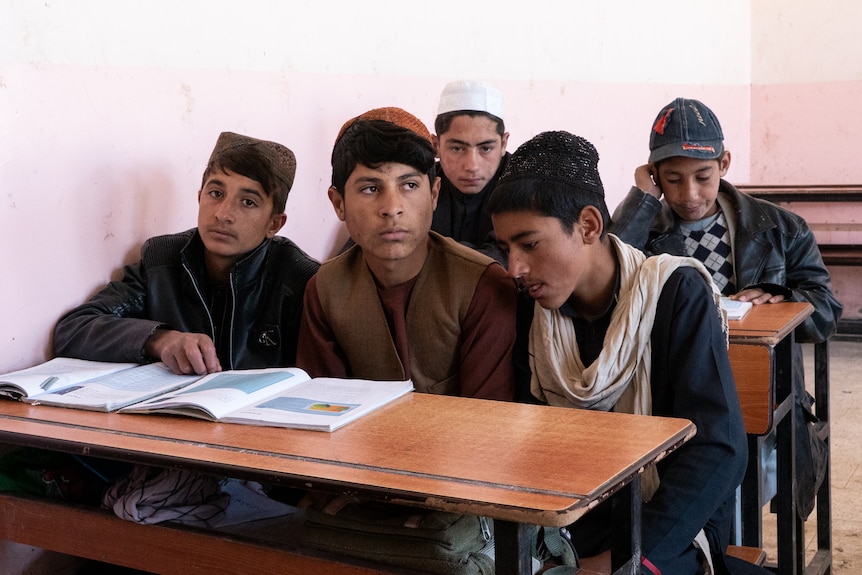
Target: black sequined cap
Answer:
[[556, 156]]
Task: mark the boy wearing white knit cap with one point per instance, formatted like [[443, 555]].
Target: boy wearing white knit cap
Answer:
[[470, 142]]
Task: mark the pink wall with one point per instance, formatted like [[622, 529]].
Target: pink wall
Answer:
[[118, 158], [104, 131], [812, 134], [806, 133]]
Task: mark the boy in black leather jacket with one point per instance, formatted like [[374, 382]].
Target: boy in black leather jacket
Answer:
[[756, 251], [224, 295]]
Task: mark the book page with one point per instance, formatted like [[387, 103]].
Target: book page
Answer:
[[735, 309], [55, 374], [115, 390], [217, 394], [323, 403]]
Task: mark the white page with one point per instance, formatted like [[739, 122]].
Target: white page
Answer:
[[322, 403], [735, 309], [217, 394], [56, 374], [114, 390]]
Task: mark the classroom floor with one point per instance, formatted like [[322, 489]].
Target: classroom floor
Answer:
[[846, 439], [845, 367]]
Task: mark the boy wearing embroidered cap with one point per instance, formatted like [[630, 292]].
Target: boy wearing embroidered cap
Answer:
[[607, 328], [404, 302], [224, 295], [471, 143], [755, 250]]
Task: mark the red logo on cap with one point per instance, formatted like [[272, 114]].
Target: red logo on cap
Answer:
[[698, 147], [661, 123]]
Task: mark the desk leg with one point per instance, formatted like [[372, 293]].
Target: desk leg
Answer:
[[824, 494], [752, 508], [513, 548], [791, 558], [626, 537]]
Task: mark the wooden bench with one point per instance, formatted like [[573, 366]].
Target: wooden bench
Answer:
[[164, 548], [751, 554]]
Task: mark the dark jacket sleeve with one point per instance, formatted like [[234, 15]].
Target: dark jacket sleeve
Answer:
[[783, 258], [692, 379], [111, 325], [633, 219], [808, 280]]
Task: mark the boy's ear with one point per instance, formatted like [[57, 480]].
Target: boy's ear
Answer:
[[276, 223], [591, 224], [435, 192], [724, 163], [435, 142], [337, 201]]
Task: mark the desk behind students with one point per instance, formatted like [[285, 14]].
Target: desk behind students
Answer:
[[766, 392], [769, 325], [435, 452]]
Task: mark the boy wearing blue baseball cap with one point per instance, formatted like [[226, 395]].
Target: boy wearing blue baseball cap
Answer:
[[755, 250]]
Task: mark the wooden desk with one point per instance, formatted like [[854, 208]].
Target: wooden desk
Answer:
[[761, 351], [769, 325], [519, 464]]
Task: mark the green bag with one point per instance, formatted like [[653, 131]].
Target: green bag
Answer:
[[428, 541]]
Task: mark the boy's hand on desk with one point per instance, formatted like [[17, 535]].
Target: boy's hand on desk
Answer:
[[757, 296], [183, 353]]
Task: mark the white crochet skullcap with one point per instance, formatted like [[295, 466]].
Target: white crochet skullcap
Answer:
[[471, 96]]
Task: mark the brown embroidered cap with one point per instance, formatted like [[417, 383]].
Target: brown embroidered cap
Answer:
[[280, 157], [393, 115]]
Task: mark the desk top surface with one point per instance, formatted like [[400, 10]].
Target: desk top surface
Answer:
[[768, 324], [517, 462]]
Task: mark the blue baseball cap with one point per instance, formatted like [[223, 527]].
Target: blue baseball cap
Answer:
[[685, 128]]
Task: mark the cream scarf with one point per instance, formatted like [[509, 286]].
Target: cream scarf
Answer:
[[619, 379]]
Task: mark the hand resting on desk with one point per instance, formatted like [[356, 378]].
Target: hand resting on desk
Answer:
[[183, 353], [757, 296]]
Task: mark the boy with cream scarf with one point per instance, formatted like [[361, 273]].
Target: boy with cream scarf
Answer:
[[607, 328]]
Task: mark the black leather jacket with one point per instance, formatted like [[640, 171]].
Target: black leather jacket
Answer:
[[167, 289], [773, 249]]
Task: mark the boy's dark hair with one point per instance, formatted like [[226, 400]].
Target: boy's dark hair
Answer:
[[372, 143], [555, 174], [444, 121], [271, 165]]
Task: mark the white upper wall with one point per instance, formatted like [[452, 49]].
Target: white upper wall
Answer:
[[804, 42], [602, 41]]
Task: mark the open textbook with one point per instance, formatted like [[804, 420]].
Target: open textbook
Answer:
[[280, 397], [94, 385], [735, 309]]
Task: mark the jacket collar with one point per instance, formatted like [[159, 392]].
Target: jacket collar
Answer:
[[244, 271]]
